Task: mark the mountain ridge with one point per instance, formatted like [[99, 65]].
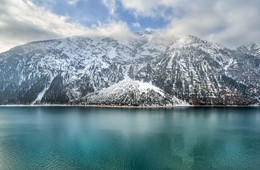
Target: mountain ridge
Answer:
[[69, 70]]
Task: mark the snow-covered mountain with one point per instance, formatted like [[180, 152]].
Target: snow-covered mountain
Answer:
[[138, 71], [252, 49], [58, 71], [204, 73]]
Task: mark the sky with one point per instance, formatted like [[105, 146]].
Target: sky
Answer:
[[228, 22]]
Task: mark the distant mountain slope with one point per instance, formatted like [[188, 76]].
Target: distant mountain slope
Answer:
[[95, 70], [252, 49]]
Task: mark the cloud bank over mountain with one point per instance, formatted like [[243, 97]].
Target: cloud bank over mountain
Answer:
[[229, 22], [23, 21]]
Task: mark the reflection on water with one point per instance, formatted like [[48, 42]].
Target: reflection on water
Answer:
[[107, 138]]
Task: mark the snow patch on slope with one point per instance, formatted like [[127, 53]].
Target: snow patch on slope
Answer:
[[41, 94], [131, 92]]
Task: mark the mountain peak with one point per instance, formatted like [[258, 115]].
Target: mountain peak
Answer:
[[254, 46], [252, 49], [188, 41]]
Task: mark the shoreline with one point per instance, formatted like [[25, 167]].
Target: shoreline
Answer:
[[138, 107]]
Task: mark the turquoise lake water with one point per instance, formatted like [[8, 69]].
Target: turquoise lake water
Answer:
[[109, 138]]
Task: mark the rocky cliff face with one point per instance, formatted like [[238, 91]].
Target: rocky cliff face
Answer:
[[203, 73], [100, 70]]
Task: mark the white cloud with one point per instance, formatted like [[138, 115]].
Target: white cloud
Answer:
[[73, 2], [229, 22], [136, 25], [22, 21], [111, 6], [117, 30]]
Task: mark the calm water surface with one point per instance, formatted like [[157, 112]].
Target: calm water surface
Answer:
[[107, 138]]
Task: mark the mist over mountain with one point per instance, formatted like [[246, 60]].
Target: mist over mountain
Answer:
[[145, 70]]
